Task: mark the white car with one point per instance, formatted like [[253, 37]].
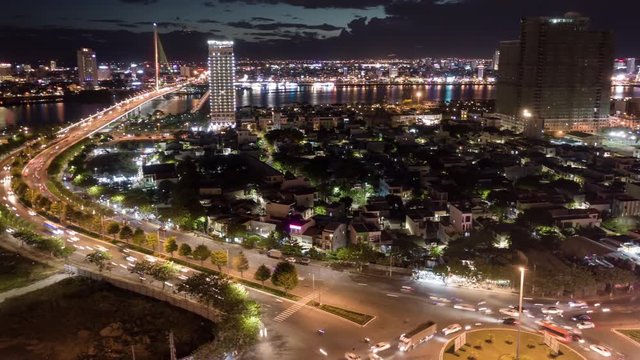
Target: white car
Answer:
[[351, 356], [451, 329], [509, 311], [578, 304], [32, 213], [551, 310], [380, 347], [600, 350], [585, 325], [465, 307], [291, 260]]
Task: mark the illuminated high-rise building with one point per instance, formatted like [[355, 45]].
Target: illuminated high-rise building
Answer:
[[631, 66], [496, 60], [480, 70], [222, 97], [5, 72], [557, 77], [87, 68]]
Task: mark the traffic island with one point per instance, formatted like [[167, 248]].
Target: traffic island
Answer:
[[500, 344], [629, 334]]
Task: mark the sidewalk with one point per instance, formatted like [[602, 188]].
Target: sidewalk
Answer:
[[33, 287]]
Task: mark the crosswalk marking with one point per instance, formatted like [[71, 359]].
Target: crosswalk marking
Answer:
[[295, 307]]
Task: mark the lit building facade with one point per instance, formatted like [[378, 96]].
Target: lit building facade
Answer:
[[87, 68], [557, 77], [222, 97]]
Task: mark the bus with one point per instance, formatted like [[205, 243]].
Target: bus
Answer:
[[556, 331]]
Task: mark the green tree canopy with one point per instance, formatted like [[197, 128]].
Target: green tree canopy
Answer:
[[126, 233], [170, 245], [241, 263], [201, 253], [285, 275], [184, 250], [262, 274], [219, 258]]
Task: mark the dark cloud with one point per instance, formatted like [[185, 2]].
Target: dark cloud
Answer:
[[108, 21], [162, 24], [127, 26], [209, 4], [208, 21], [257, 18], [318, 4], [140, 2], [279, 25]]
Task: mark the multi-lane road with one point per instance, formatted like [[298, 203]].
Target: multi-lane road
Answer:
[[397, 310]]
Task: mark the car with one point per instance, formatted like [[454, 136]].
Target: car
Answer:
[[577, 338], [465, 307], [602, 350], [451, 329], [351, 356], [581, 317], [509, 321], [290, 259], [406, 289], [485, 310], [585, 325], [578, 304], [304, 261], [32, 213], [551, 310], [380, 347], [510, 312]]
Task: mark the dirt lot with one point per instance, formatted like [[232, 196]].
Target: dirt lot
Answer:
[[82, 319]]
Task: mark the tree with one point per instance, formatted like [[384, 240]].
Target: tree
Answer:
[[241, 263], [139, 237], [184, 250], [170, 245], [162, 271], [113, 228], [201, 253], [152, 240], [262, 274], [292, 247], [285, 276], [219, 258], [126, 233], [100, 259]]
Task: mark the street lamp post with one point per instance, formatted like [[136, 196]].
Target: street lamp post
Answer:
[[520, 312]]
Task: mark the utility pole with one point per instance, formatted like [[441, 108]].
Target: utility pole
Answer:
[[155, 47]]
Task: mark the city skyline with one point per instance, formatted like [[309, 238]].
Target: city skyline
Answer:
[[291, 28]]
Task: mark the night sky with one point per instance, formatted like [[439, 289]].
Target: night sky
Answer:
[[302, 29]]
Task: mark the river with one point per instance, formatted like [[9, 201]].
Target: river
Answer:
[[57, 113]]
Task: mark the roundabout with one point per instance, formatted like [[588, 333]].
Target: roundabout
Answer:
[[500, 344]]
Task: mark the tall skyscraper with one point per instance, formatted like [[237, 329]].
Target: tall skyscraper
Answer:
[[87, 68], [480, 70], [557, 77], [496, 60], [222, 72], [631, 66]]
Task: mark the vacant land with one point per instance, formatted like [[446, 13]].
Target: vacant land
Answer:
[[497, 344], [17, 271], [82, 319]]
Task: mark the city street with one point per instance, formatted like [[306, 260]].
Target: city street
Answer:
[[396, 310]]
